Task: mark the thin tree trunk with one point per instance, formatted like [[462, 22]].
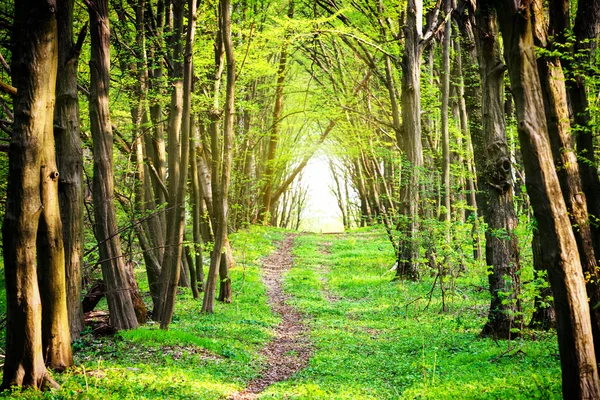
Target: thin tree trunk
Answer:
[[446, 214], [225, 291], [176, 226], [276, 122], [120, 305], [411, 139], [220, 206], [471, 87], [472, 215], [196, 208]]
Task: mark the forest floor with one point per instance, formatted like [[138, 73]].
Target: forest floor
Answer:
[[319, 316]]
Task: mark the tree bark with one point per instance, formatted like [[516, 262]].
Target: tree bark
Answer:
[[494, 177], [120, 306], [220, 206], [578, 361], [554, 93], [34, 69], [587, 31], [411, 139], [69, 157], [178, 183]]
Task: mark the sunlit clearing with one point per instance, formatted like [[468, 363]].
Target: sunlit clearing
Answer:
[[322, 213]]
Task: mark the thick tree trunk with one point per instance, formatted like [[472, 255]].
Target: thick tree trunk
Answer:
[[56, 337], [70, 160], [411, 140], [554, 93], [120, 305], [578, 361], [34, 75], [495, 182]]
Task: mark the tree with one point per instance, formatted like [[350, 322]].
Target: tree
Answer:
[[552, 82], [446, 214], [111, 257], [494, 178], [578, 361], [587, 32], [276, 123], [179, 146], [37, 318], [414, 43], [220, 193], [69, 158]]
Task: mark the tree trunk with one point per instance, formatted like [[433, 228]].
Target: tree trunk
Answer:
[[587, 31], [554, 93], [121, 309], [274, 136], [578, 361], [34, 76], [196, 200], [176, 226], [445, 72], [220, 205], [472, 214], [411, 140], [495, 182], [70, 160]]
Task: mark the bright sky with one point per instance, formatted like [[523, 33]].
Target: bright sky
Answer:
[[322, 213]]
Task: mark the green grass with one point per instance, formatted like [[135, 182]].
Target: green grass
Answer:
[[379, 340], [199, 357], [372, 338]]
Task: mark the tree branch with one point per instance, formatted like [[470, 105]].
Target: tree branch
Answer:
[[433, 29], [8, 89]]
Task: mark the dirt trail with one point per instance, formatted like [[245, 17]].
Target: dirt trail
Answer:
[[290, 351]]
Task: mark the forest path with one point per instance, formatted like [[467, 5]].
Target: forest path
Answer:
[[291, 349]]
